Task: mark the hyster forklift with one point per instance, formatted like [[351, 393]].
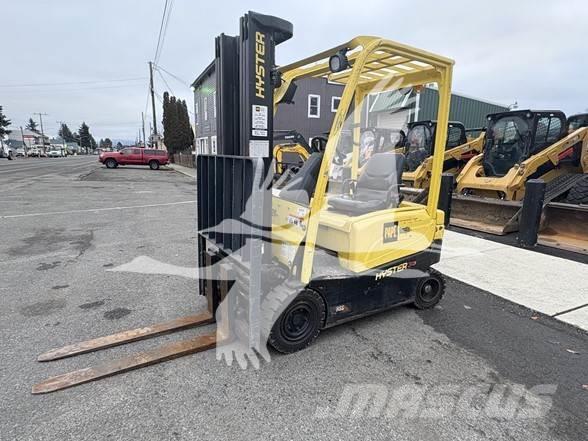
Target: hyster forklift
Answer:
[[280, 264], [419, 148], [520, 146]]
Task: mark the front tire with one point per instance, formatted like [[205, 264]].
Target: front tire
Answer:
[[10, 157], [299, 324], [110, 163], [429, 290], [154, 165]]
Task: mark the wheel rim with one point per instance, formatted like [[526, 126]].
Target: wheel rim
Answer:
[[430, 289], [297, 324]]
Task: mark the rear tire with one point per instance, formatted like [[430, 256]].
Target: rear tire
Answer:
[[429, 290], [299, 324], [154, 165], [110, 163], [10, 157], [578, 194]]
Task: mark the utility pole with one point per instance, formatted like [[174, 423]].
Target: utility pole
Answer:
[[42, 131], [143, 128], [152, 97], [24, 146], [61, 124]]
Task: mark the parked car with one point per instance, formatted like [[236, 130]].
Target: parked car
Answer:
[[55, 154], [135, 156], [21, 153], [6, 152]]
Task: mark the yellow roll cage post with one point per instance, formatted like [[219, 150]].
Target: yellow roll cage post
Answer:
[[373, 62]]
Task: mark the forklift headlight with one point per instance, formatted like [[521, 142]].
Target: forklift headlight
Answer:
[[339, 61]]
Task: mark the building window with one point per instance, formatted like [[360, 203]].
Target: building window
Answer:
[[213, 145], [205, 108], [214, 104], [203, 145], [314, 106], [196, 112], [335, 100]]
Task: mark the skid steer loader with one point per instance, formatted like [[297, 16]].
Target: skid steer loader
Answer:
[[419, 148], [519, 146], [279, 265]]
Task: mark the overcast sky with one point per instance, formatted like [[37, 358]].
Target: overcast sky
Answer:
[[533, 52]]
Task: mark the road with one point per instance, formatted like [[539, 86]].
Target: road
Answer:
[[65, 224]]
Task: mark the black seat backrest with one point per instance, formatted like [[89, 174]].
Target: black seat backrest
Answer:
[[301, 187], [382, 172]]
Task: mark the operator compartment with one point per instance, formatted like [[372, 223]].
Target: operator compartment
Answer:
[[353, 184]]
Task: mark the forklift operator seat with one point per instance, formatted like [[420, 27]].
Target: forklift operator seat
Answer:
[[377, 188], [301, 187]]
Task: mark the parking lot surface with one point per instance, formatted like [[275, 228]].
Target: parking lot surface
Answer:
[[476, 367]]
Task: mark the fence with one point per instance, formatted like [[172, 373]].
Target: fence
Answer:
[[185, 159]]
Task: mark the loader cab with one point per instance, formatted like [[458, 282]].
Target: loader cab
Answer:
[[576, 122], [513, 137], [419, 143], [374, 140]]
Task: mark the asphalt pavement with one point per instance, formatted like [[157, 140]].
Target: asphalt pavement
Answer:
[[476, 367]]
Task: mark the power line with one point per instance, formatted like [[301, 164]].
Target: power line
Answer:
[[163, 29], [165, 82], [68, 83], [178, 79], [74, 89]]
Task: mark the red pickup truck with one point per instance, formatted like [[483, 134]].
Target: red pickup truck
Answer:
[[134, 156]]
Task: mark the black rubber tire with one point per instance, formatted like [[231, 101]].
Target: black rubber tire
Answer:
[[578, 194], [299, 324], [10, 157], [153, 165], [110, 163], [429, 290]]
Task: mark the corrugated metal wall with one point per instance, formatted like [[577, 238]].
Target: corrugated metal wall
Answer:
[[471, 112]]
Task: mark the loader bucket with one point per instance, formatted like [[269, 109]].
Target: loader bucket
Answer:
[[565, 226], [489, 215]]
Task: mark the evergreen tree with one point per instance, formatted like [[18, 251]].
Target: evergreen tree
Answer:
[[171, 132], [66, 134], [4, 123], [107, 143], [119, 145], [31, 125], [186, 128], [84, 137], [101, 144]]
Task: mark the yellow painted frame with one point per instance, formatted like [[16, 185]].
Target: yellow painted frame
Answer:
[[373, 61]]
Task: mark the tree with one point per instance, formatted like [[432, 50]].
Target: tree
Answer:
[[4, 123], [31, 125], [93, 144], [107, 143], [188, 134], [119, 145], [66, 134], [84, 137], [170, 123], [177, 131]]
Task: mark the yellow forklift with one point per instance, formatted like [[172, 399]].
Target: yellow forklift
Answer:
[[281, 264]]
